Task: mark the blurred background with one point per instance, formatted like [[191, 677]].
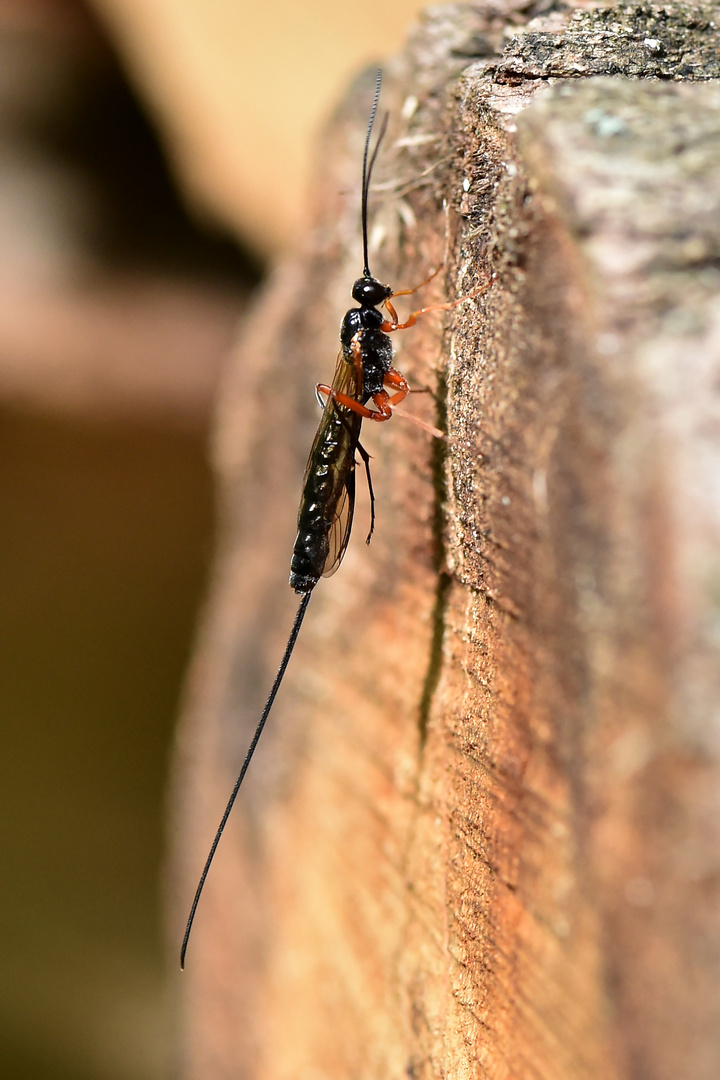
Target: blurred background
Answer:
[[154, 158]]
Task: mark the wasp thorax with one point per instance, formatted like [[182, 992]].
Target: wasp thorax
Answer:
[[370, 292]]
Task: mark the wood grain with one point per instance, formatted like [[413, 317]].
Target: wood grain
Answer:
[[481, 838]]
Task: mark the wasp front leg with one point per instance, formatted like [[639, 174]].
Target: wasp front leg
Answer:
[[392, 324]]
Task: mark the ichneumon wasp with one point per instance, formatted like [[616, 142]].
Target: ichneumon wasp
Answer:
[[364, 374]]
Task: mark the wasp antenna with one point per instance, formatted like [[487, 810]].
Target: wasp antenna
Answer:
[[367, 171], [383, 129], [246, 764]]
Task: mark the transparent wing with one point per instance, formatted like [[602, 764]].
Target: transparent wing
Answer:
[[332, 456], [344, 382], [346, 424], [341, 525]]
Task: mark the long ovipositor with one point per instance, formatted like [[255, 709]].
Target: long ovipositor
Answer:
[[365, 387]]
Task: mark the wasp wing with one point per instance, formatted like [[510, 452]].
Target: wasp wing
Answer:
[[341, 526], [330, 471]]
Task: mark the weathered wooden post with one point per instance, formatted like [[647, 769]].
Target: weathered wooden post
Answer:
[[482, 838]]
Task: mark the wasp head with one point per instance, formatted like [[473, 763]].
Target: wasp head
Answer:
[[369, 292]]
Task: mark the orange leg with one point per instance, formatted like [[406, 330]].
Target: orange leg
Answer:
[[409, 292], [399, 384], [383, 404], [389, 327], [382, 400], [357, 353]]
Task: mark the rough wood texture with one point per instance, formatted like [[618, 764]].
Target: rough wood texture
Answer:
[[481, 838]]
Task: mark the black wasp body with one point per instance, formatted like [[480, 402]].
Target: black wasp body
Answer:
[[362, 333], [365, 387], [364, 368]]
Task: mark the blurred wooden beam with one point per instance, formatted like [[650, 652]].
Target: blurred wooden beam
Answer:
[[112, 303], [240, 90], [117, 346], [481, 836]]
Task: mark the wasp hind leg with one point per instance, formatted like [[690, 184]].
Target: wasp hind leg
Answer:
[[366, 462]]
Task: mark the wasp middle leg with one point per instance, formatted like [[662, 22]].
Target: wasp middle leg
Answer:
[[382, 400]]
